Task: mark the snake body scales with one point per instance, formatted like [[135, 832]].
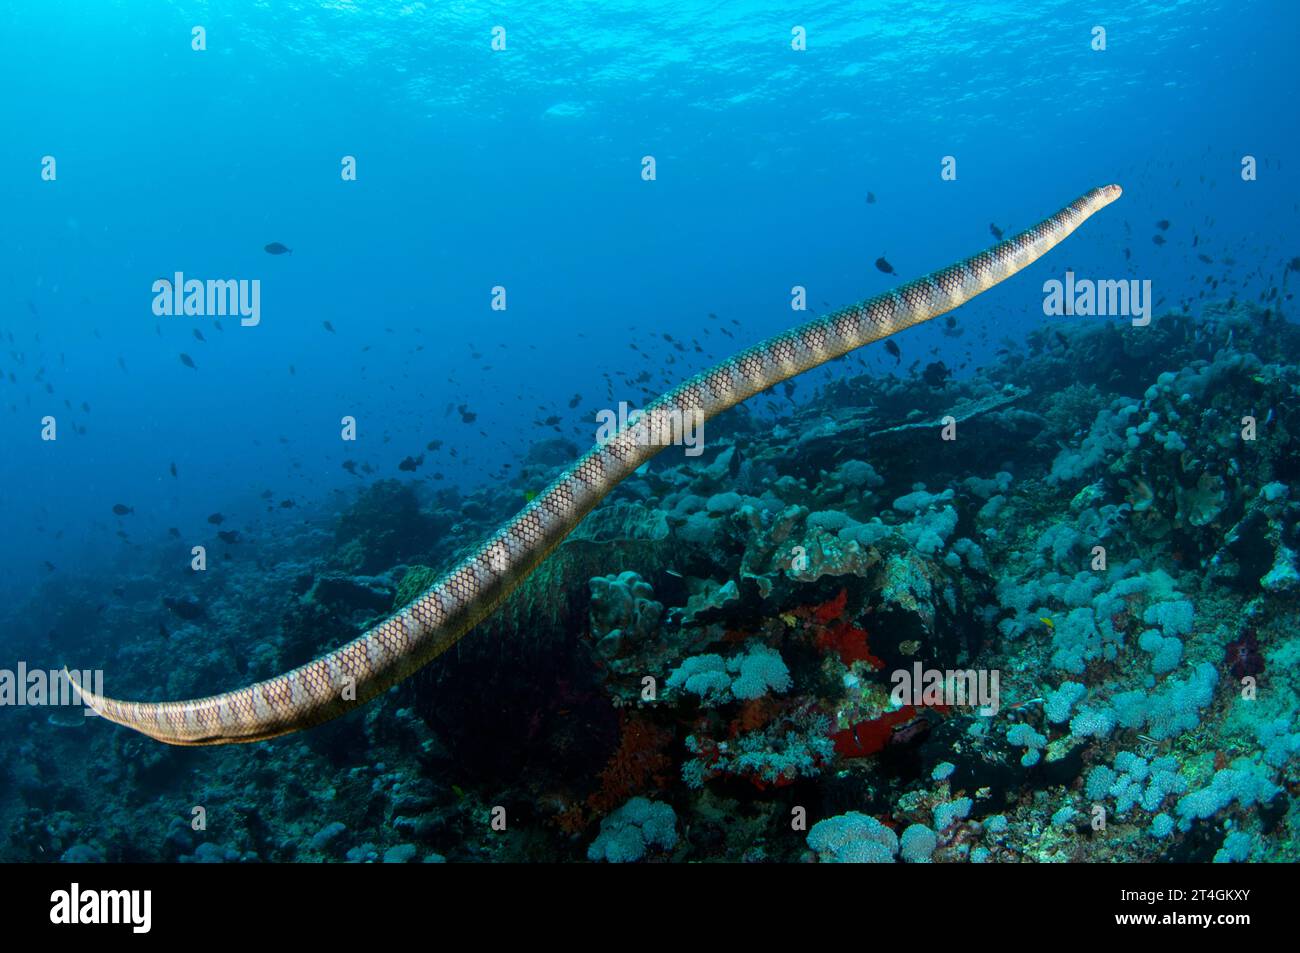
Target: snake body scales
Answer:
[[348, 677]]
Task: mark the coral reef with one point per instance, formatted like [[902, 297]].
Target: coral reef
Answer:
[[719, 648]]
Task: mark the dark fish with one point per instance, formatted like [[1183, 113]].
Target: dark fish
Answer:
[[216, 519], [350, 466], [199, 335], [229, 536], [121, 509], [1206, 258], [275, 248], [287, 504], [434, 445], [174, 533], [188, 361], [188, 609], [1163, 225], [885, 266], [328, 327], [411, 464], [173, 469], [997, 232], [575, 400], [466, 415], [49, 566], [936, 373], [1158, 239], [871, 198], [892, 348], [1127, 254]]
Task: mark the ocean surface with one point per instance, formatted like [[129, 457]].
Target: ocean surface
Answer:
[[474, 229]]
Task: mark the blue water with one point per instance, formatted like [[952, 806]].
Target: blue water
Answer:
[[521, 168]]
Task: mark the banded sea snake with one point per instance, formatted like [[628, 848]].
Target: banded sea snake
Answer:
[[471, 590]]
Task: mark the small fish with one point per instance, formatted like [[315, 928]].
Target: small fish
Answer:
[[1163, 225], [871, 198], [885, 266], [199, 336], [174, 533], [216, 519], [1158, 239], [229, 536], [1047, 622], [328, 327], [188, 361], [121, 509], [188, 609], [287, 504], [275, 248], [173, 469], [935, 374], [411, 464], [997, 232], [892, 348]]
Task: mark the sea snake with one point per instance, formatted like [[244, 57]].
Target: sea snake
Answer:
[[346, 678]]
